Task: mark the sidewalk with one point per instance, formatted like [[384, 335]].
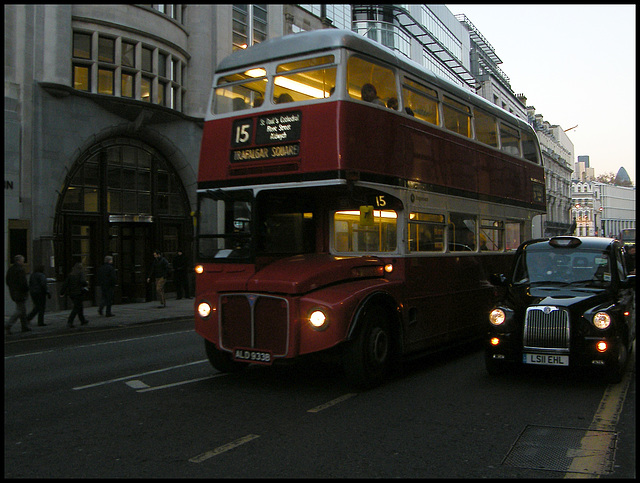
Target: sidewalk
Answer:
[[124, 314]]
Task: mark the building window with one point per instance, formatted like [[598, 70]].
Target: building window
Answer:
[[249, 23], [81, 45], [105, 81], [106, 49], [145, 88], [118, 63], [81, 78], [147, 57], [127, 85], [128, 58]]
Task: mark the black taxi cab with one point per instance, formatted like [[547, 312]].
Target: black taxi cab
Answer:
[[568, 302]]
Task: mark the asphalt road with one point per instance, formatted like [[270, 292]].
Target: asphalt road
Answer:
[[143, 402]]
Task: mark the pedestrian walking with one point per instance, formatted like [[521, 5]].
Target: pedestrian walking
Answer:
[[76, 286], [159, 272], [107, 280], [19, 290], [39, 292], [180, 275]]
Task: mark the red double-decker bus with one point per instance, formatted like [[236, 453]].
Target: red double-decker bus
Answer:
[[352, 202]]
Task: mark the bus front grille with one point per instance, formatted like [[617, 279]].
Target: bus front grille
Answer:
[[546, 327], [254, 321]]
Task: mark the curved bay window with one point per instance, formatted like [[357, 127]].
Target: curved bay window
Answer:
[[124, 199]]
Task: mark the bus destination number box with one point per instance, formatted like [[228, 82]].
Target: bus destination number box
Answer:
[[277, 128]]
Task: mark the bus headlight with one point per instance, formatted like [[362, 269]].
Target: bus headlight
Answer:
[[497, 317], [199, 269], [204, 309], [602, 320], [318, 320]]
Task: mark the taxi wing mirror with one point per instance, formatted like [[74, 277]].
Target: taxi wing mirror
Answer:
[[498, 279]]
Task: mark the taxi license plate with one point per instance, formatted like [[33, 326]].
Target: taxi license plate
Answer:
[[545, 359], [250, 355]]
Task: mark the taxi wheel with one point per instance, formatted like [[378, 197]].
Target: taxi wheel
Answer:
[[222, 361], [367, 359], [617, 371], [494, 367]]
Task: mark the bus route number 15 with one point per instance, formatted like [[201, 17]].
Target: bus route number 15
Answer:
[[241, 134]]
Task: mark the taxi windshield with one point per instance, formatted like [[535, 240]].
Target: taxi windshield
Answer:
[[567, 266]]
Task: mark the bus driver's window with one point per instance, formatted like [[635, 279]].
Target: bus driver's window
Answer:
[[370, 82]]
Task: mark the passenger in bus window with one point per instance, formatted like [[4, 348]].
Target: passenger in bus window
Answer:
[[409, 111], [284, 98], [392, 103], [370, 94], [239, 104], [258, 101]]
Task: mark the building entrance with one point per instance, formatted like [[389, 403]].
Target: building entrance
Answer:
[[124, 199]]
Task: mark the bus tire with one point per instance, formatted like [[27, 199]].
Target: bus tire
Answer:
[[222, 361], [367, 358]]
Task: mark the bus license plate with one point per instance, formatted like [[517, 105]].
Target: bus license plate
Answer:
[[545, 359], [250, 355]]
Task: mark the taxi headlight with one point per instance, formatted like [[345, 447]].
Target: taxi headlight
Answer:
[[497, 317], [204, 309], [602, 320], [318, 320]]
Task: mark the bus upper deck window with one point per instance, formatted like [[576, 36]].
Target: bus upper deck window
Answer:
[[457, 116], [420, 101], [486, 128], [529, 142], [236, 92], [303, 80], [509, 140], [370, 82]]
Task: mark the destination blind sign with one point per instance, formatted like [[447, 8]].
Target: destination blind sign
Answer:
[[271, 129]]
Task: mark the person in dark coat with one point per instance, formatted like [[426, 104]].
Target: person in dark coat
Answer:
[[180, 275], [76, 286], [107, 281], [159, 272], [19, 290], [39, 293]]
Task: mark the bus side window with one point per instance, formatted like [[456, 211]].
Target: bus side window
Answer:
[[491, 235], [462, 233], [304, 80], [457, 116], [513, 235], [509, 140], [420, 101], [486, 128], [236, 92], [370, 82], [529, 142], [426, 232]]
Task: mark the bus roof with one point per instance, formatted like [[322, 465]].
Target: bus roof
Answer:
[[329, 39]]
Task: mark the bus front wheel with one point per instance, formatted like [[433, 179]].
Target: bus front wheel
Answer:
[[222, 361], [367, 358]]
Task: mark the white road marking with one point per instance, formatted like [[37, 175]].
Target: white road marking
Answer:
[[331, 403], [136, 384], [221, 449], [156, 388], [102, 383]]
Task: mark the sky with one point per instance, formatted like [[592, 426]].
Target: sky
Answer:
[[576, 64]]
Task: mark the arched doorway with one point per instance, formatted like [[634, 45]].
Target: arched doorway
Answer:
[[122, 198]]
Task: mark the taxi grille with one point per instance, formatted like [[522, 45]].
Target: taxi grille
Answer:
[[546, 327], [254, 321]]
